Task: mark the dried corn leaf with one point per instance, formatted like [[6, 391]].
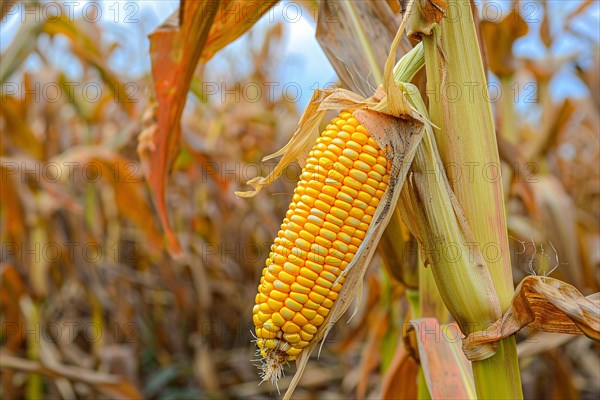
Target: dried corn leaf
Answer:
[[175, 51], [544, 304], [445, 368], [121, 175], [233, 19], [500, 36], [109, 385], [400, 380], [204, 28]]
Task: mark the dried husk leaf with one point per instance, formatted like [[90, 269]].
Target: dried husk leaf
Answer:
[[544, 304], [306, 135], [396, 104]]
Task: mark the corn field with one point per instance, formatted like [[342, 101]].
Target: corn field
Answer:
[[185, 215]]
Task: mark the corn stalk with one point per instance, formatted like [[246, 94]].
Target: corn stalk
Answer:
[[468, 140]]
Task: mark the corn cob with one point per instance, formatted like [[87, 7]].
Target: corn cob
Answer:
[[344, 179]]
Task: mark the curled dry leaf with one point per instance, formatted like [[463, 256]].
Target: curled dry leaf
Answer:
[[543, 304], [233, 19]]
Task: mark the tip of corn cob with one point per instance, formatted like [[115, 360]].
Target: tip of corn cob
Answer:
[[271, 367]]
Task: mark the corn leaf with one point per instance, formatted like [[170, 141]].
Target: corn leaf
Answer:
[[445, 368], [544, 304]]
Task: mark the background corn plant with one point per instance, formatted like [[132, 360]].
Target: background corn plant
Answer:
[[84, 252]]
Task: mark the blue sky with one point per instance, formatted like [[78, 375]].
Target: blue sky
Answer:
[[303, 61]]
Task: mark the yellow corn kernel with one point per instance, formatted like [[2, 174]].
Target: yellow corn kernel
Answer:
[[292, 269], [311, 305], [291, 337], [300, 320], [331, 227], [308, 274], [278, 295], [285, 277], [277, 319], [352, 182], [317, 297], [293, 352], [310, 328], [299, 297], [318, 289], [293, 304], [329, 276], [322, 311], [305, 336], [309, 313], [298, 288], [322, 206], [358, 175], [346, 161], [321, 247], [305, 282], [287, 314], [275, 305], [290, 327], [317, 321]]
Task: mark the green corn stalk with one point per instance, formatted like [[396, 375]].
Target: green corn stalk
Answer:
[[468, 136]]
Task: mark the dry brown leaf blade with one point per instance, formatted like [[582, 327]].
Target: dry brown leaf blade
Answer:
[[543, 304], [400, 380], [205, 27], [234, 18], [445, 368], [174, 53]]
